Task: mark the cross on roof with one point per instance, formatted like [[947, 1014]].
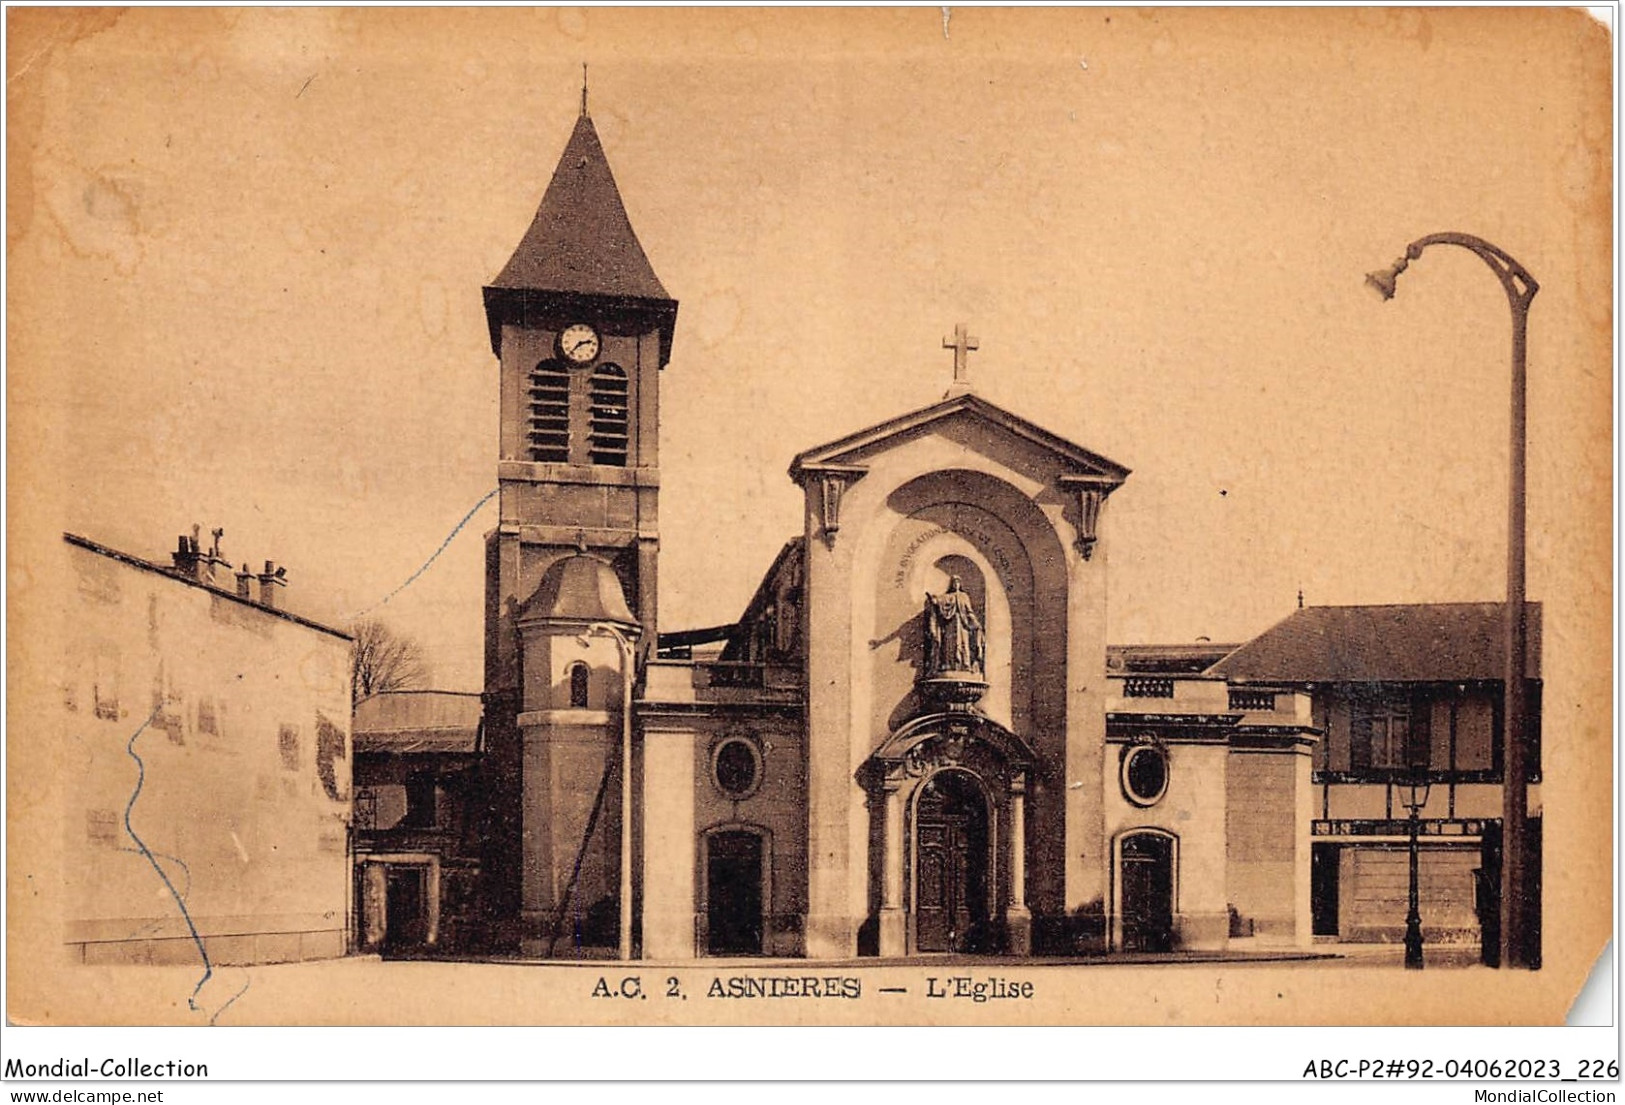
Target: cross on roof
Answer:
[[962, 344]]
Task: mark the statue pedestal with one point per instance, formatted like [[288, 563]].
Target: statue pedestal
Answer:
[[953, 689]]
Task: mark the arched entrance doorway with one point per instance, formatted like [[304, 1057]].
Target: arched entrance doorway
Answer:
[[734, 892], [1146, 888], [948, 840], [951, 883]]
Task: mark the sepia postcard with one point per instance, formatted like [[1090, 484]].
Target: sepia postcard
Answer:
[[923, 516]]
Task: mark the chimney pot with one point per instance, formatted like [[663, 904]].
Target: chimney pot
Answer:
[[270, 580], [185, 558]]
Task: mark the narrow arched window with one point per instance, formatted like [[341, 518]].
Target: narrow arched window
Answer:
[[550, 413], [609, 415], [578, 686]]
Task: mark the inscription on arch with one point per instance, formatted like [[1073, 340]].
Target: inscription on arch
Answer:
[[987, 544]]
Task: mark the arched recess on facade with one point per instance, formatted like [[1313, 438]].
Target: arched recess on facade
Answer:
[[1145, 890], [984, 528], [899, 776]]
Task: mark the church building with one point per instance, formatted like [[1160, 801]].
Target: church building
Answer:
[[913, 739]]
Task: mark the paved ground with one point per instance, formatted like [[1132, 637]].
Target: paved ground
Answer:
[[1331, 955]]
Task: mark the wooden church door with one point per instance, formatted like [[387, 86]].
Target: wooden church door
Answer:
[[733, 888], [950, 885], [1148, 892]]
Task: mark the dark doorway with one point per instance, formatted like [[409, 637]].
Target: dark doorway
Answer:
[[1323, 888], [733, 894], [1148, 892], [406, 921], [950, 878], [1487, 894]]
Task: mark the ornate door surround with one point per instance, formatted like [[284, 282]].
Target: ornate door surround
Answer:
[[997, 763]]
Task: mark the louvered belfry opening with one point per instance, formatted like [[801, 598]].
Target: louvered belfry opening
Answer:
[[609, 416], [550, 413]]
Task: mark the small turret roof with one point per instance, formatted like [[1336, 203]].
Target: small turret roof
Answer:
[[579, 588], [581, 240]]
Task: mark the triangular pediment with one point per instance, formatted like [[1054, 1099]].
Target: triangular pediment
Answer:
[[854, 450]]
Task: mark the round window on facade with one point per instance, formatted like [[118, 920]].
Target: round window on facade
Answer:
[[1145, 774], [736, 767]]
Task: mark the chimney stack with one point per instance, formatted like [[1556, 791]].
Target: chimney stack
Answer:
[[192, 563], [245, 580], [185, 556], [211, 560], [270, 579]]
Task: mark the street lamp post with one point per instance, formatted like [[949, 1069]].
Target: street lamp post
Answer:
[[1520, 288], [624, 644], [1414, 795]]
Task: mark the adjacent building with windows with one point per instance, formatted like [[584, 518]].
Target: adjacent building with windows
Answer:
[[205, 740], [1401, 692]]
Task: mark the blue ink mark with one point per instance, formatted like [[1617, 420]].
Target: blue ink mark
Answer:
[[140, 779], [176, 860], [246, 980], [458, 528], [156, 923]]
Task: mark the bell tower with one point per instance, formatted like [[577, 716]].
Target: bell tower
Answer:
[[581, 327]]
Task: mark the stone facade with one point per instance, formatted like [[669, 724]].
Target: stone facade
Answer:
[[914, 739]]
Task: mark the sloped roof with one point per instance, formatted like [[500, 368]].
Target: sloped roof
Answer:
[[581, 240], [168, 572], [1419, 643], [417, 721], [789, 559], [854, 447]]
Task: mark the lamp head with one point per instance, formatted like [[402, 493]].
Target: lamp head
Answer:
[[1384, 282], [1414, 790], [1387, 279]]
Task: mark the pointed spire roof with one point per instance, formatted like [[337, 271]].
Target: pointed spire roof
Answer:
[[581, 241]]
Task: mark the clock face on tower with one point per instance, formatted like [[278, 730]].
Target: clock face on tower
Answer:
[[579, 343]]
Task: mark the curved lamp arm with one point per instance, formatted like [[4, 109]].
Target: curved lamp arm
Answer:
[[1515, 279], [1519, 939]]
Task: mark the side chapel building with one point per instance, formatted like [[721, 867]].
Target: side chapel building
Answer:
[[913, 740]]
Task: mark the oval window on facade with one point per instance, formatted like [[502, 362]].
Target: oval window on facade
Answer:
[[1145, 774], [736, 767]]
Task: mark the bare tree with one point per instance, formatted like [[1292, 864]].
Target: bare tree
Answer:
[[383, 659]]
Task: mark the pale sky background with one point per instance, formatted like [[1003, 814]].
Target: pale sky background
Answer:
[[247, 248]]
